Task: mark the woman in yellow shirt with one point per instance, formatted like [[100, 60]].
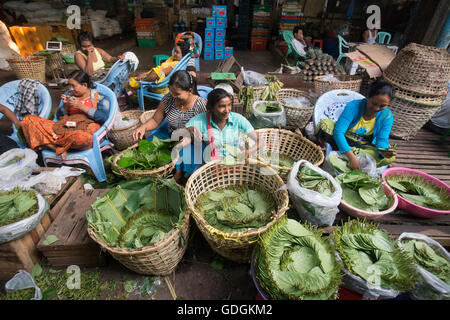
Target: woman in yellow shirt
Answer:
[[90, 59]]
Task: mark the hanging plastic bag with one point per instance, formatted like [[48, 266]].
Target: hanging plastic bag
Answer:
[[253, 79], [313, 207], [261, 119], [428, 286], [17, 164], [20, 228], [23, 280]]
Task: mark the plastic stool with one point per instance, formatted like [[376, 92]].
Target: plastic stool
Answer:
[[320, 42], [158, 59]]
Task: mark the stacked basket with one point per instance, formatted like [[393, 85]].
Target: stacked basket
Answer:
[[322, 85], [420, 76]]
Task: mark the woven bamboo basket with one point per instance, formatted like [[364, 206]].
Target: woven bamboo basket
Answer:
[[237, 246], [31, 67], [296, 117], [161, 172], [418, 97], [68, 48], [285, 142], [409, 117], [346, 82], [53, 62], [420, 69], [123, 138], [147, 115], [160, 259]]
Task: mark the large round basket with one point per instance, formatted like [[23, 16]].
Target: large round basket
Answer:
[[409, 117], [31, 67], [420, 69], [345, 82], [160, 259], [296, 117], [123, 137], [237, 246], [147, 115], [288, 143], [428, 99], [161, 172]]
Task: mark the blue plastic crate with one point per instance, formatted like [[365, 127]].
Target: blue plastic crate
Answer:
[[209, 34], [221, 23], [208, 54], [209, 44], [228, 52], [210, 22], [219, 11], [220, 54], [220, 34], [219, 44]]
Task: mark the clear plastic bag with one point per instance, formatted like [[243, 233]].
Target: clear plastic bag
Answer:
[[23, 280], [367, 164], [253, 79], [119, 123], [312, 206], [50, 182], [428, 286], [297, 102], [330, 77], [17, 164], [267, 120], [20, 228]]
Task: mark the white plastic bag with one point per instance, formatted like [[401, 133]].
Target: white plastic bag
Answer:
[[254, 79], [119, 123], [267, 120], [16, 164], [302, 102], [312, 206], [330, 77], [20, 228], [428, 286], [23, 280]]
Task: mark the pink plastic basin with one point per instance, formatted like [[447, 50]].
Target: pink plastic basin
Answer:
[[411, 207]]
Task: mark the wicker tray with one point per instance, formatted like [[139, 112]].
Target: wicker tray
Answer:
[[291, 144], [346, 82], [296, 117], [237, 246], [420, 69], [123, 138], [160, 259], [409, 117], [161, 172], [31, 67]]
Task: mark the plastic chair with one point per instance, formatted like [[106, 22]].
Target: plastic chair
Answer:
[[159, 58], [92, 157], [143, 90], [288, 37], [8, 97], [203, 91], [342, 44], [117, 76], [383, 37]]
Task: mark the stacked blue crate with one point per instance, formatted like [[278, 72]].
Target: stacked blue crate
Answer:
[[215, 34]]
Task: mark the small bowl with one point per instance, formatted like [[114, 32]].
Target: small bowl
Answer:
[[411, 207]]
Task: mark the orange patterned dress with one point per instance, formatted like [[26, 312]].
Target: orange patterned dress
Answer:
[[39, 132]]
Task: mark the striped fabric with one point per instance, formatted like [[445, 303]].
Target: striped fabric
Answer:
[[178, 119]]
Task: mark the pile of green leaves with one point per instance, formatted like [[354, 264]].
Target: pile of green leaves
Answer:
[[236, 208], [312, 180], [368, 252], [429, 259], [278, 159], [16, 205], [293, 261], [148, 155], [269, 107], [139, 213], [363, 192], [341, 164], [420, 191]]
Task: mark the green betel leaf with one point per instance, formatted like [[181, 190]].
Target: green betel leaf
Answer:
[[50, 239], [371, 195], [396, 185], [146, 146], [339, 164], [37, 270], [129, 286], [126, 162]]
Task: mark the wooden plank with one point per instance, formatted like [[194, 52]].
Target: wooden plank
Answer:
[[421, 161], [439, 233], [76, 185]]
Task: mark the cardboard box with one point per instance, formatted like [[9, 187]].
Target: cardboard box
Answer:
[[219, 11], [211, 22], [374, 58], [209, 34], [228, 52], [208, 54], [219, 45], [220, 34], [221, 22], [220, 54], [209, 44]]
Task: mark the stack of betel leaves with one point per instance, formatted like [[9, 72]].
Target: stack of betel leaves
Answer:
[[268, 107], [341, 163], [313, 180], [149, 155], [16, 205], [278, 159], [236, 208], [363, 192], [138, 213], [367, 252], [422, 192], [293, 261], [426, 257]]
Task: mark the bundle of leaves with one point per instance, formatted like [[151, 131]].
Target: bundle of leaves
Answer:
[[341, 164], [278, 159], [363, 192], [236, 208], [420, 191], [16, 205], [293, 261], [428, 258], [148, 155], [368, 252], [138, 213], [269, 107], [312, 180]]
